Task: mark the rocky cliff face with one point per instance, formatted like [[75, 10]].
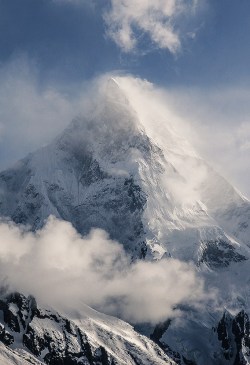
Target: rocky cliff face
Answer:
[[234, 336]]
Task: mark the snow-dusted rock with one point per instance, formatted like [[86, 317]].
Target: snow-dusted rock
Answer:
[[83, 337]]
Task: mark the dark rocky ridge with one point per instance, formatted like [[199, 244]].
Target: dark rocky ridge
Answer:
[[234, 335], [56, 340]]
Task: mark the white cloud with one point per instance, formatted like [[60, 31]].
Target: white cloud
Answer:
[[57, 264], [127, 21]]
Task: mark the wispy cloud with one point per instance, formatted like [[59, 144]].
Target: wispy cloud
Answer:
[[127, 21], [57, 264]]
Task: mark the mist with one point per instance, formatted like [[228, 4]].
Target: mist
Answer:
[[57, 265]]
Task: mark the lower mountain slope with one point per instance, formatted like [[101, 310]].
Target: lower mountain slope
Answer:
[[73, 338]]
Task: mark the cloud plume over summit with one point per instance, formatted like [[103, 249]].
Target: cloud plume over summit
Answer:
[[31, 116]]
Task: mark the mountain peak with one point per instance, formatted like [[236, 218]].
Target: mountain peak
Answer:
[[113, 91], [109, 170]]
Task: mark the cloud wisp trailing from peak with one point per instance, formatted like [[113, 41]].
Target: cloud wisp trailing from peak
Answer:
[[128, 21], [56, 265], [212, 122], [219, 118]]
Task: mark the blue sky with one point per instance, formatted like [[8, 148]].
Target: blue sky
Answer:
[[198, 52], [67, 41]]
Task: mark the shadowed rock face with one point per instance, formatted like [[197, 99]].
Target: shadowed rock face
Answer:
[[234, 336], [218, 254]]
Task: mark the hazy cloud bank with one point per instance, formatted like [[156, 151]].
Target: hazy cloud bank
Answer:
[[57, 264]]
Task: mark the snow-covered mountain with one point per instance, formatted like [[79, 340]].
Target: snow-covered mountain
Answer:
[[107, 170]]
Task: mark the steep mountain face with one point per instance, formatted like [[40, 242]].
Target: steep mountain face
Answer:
[[107, 171], [234, 335]]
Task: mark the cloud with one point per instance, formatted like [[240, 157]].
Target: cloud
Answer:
[[128, 21], [57, 264]]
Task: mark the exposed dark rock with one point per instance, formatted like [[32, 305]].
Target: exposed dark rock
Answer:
[[156, 336], [159, 330], [225, 335], [240, 329], [217, 254], [234, 335]]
